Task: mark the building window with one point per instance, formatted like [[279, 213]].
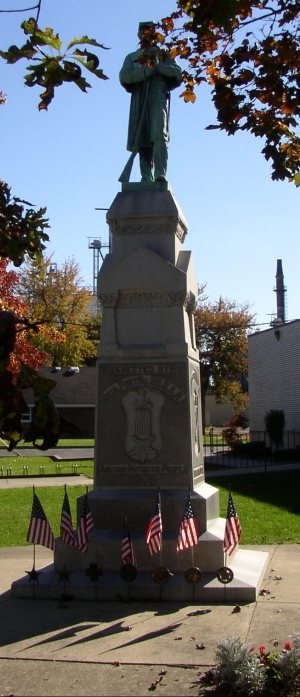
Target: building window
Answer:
[[26, 416]]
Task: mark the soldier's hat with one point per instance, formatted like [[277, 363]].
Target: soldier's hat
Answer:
[[144, 25]]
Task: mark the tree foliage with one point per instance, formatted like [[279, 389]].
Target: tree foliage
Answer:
[[248, 51], [50, 66], [21, 329], [275, 423], [22, 228], [221, 334], [60, 304], [19, 358]]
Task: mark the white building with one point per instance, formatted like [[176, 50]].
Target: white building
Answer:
[[274, 374]]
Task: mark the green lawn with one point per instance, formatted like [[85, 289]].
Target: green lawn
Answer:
[[44, 465], [15, 510], [268, 506], [62, 443]]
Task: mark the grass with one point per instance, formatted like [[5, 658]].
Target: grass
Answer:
[[267, 504], [62, 443], [15, 511], [43, 465]]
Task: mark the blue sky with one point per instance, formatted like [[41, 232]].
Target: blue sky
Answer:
[[69, 159]]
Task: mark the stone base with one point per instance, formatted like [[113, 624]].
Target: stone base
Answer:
[[248, 568]]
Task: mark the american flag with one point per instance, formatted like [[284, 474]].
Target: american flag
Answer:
[[127, 548], [86, 524], [154, 530], [66, 526], [39, 531], [232, 528], [188, 532]]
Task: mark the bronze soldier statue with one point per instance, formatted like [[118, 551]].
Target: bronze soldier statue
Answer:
[[149, 74]]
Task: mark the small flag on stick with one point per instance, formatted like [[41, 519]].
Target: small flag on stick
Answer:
[[233, 529], [39, 531], [188, 532], [86, 524], [66, 525], [154, 530], [127, 547]]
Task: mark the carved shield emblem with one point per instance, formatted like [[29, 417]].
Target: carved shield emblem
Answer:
[[143, 440]]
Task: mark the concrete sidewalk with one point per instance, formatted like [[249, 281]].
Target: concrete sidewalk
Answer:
[[59, 647], [61, 480]]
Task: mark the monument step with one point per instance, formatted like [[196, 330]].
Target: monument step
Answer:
[[248, 569]]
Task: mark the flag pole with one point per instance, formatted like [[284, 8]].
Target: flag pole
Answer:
[[65, 553], [34, 542], [33, 589], [159, 503], [192, 547]]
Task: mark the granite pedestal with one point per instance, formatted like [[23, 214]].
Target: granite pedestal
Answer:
[[148, 413]]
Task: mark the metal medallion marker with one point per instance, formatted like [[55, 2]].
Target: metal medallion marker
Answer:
[[225, 575], [193, 575], [94, 572], [161, 576], [33, 575], [128, 572], [64, 575]]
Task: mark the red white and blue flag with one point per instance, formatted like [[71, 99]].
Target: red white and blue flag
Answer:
[[154, 530], [86, 524], [127, 547], [188, 532], [66, 525], [233, 528], [39, 531]]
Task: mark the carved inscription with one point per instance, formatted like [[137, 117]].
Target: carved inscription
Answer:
[[195, 395], [148, 298], [133, 228], [142, 369], [143, 441], [137, 381]]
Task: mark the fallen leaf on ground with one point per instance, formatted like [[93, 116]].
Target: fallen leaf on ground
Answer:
[[200, 646], [277, 578], [236, 608], [177, 638], [198, 612], [264, 591], [152, 686], [162, 672]]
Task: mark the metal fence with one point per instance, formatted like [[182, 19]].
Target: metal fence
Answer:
[[252, 449]]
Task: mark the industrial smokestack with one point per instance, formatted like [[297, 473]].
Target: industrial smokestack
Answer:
[[280, 291]]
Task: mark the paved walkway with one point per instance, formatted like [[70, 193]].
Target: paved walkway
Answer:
[[56, 453], [66, 648]]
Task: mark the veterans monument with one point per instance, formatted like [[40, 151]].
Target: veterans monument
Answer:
[[148, 433]]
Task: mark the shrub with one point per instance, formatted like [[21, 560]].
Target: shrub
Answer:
[[275, 423], [230, 432], [238, 669]]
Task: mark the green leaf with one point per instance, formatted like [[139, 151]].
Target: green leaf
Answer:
[[86, 40], [90, 63], [297, 179], [82, 84], [15, 54], [46, 37]]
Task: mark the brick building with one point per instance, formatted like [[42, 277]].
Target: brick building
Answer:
[[274, 373], [74, 395]]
